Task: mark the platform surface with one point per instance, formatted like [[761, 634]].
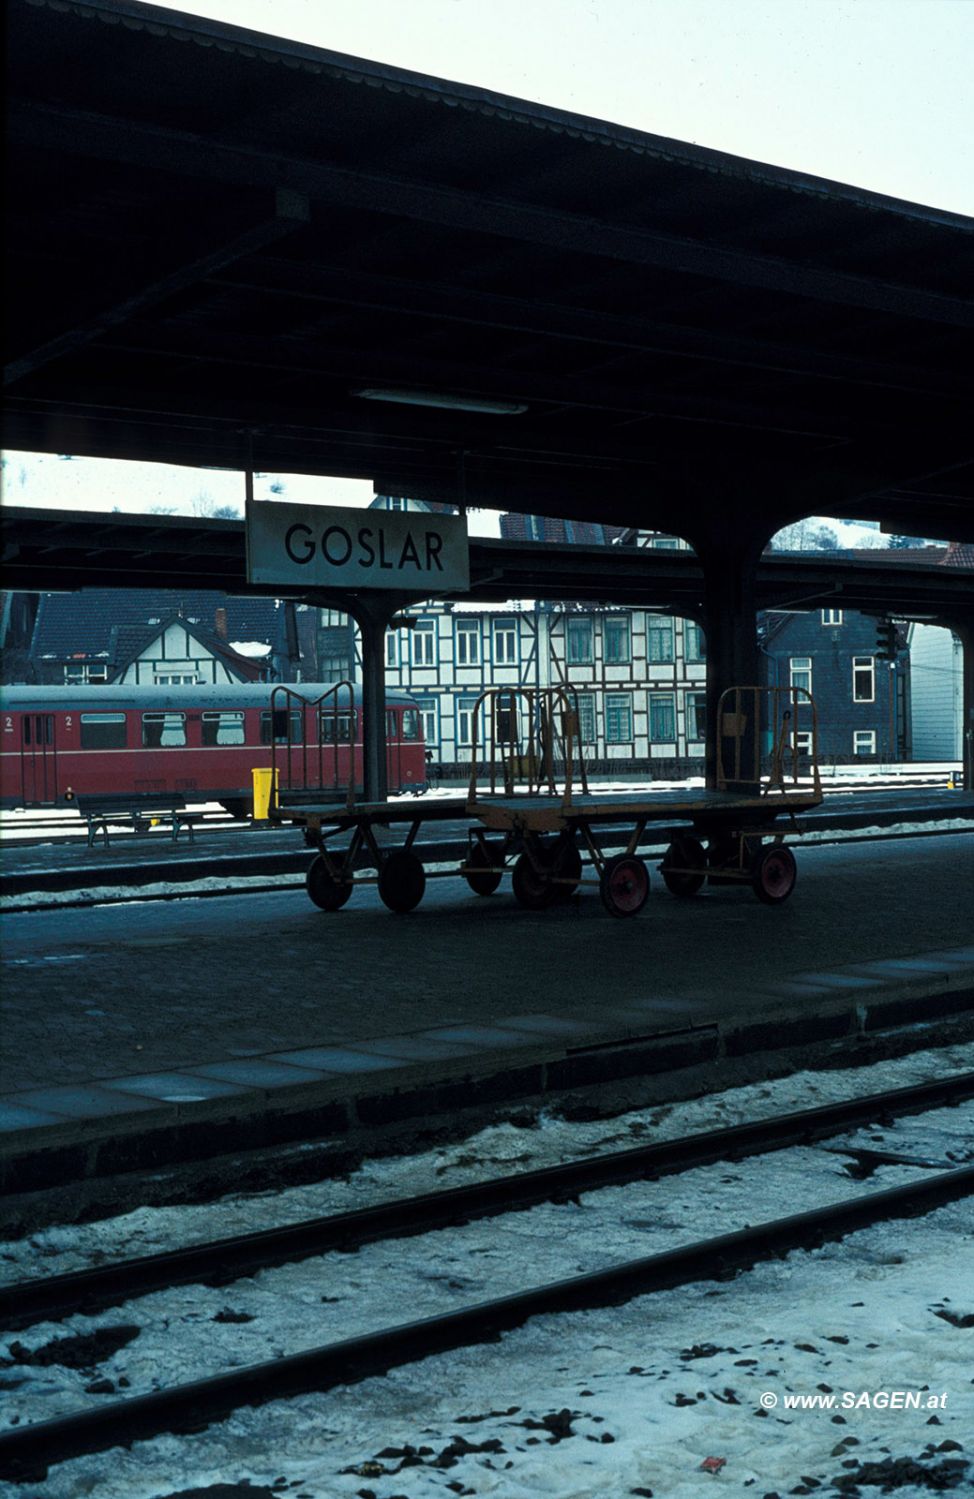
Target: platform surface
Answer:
[[178, 1008]]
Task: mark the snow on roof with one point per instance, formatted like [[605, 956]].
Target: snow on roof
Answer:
[[250, 647], [508, 606]]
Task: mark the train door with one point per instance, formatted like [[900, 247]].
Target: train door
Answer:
[[393, 751], [38, 760]]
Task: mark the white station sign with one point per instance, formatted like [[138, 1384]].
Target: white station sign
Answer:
[[321, 546]]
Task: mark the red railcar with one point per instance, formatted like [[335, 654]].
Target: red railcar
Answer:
[[202, 743]]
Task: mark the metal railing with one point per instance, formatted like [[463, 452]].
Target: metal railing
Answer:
[[526, 741], [767, 738], [325, 763]]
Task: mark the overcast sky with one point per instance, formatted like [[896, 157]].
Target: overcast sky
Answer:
[[871, 92]]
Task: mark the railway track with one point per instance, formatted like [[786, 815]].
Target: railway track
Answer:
[[25, 1453]]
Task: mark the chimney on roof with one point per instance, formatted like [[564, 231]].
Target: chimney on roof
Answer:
[[220, 624]]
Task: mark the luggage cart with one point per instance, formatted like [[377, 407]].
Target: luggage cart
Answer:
[[528, 784], [535, 813]]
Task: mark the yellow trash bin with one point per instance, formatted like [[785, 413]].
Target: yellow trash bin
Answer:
[[265, 788]]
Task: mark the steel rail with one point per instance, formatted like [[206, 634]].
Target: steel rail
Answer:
[[219, 1261], [26, 1453]]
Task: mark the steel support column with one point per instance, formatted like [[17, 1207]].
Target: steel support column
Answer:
[[373, 613], [729, 563]]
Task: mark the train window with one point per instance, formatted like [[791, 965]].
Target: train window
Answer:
[[103, 731], [163, 730], [223, 728], [410, 723], [280, 726], [332, 729]]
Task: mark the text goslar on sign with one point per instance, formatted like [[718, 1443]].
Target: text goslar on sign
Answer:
[[321, 546]]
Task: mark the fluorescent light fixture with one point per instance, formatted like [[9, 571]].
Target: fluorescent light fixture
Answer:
[[437, 398]]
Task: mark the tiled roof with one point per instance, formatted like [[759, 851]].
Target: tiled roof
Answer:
[[110, 623]]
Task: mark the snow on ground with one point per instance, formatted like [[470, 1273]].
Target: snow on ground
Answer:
[[499, 1150], [633, 1399]]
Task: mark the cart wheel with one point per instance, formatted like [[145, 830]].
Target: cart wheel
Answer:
[[567, 866], [531, 888], [624, 885], [482, 878], [773, 874], [327, 894], [682, 859], [402, 880]]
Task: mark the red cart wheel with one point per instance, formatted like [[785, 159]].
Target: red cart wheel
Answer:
[[773, 874], [681, 863], [530, 887], [624, 885], [482, 878], [328, 894], [402, 881]]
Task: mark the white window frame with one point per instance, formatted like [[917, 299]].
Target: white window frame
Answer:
[[623, 623], [463, 720], [392, 650], [424, 654], [618, 703], [669, 700], [864, 734], [832, 617], [176, 679], [588, 726], [466, 642], [864, 666], [574, 626], [660, 625], [800, 672], [694, 642], [803, 741], [690, 710], [505, 642], [79, 674], [429, 713]]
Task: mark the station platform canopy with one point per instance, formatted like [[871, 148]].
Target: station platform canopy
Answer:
[[230, 250]]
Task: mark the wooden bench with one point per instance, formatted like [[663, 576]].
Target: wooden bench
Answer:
[[122, 810]]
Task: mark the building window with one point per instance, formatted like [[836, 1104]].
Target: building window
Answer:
[[424, 643], [803, 743], [176, 679], [392, 650], [280, 726], [586, 717], [863, 680], [505, 642], [466, 636], [662, 717], [696, 703], [659, 641], [831, 616], [431, 727], [618, 718], [800, 672], [222, 728], [617, 639], [694, 642], [665, 543], [163, 730], [465, 707], [864, 742], [103, 731], [579, 634], [83, 676]]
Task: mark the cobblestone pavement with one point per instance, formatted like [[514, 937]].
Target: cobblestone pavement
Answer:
[[102, 992]]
